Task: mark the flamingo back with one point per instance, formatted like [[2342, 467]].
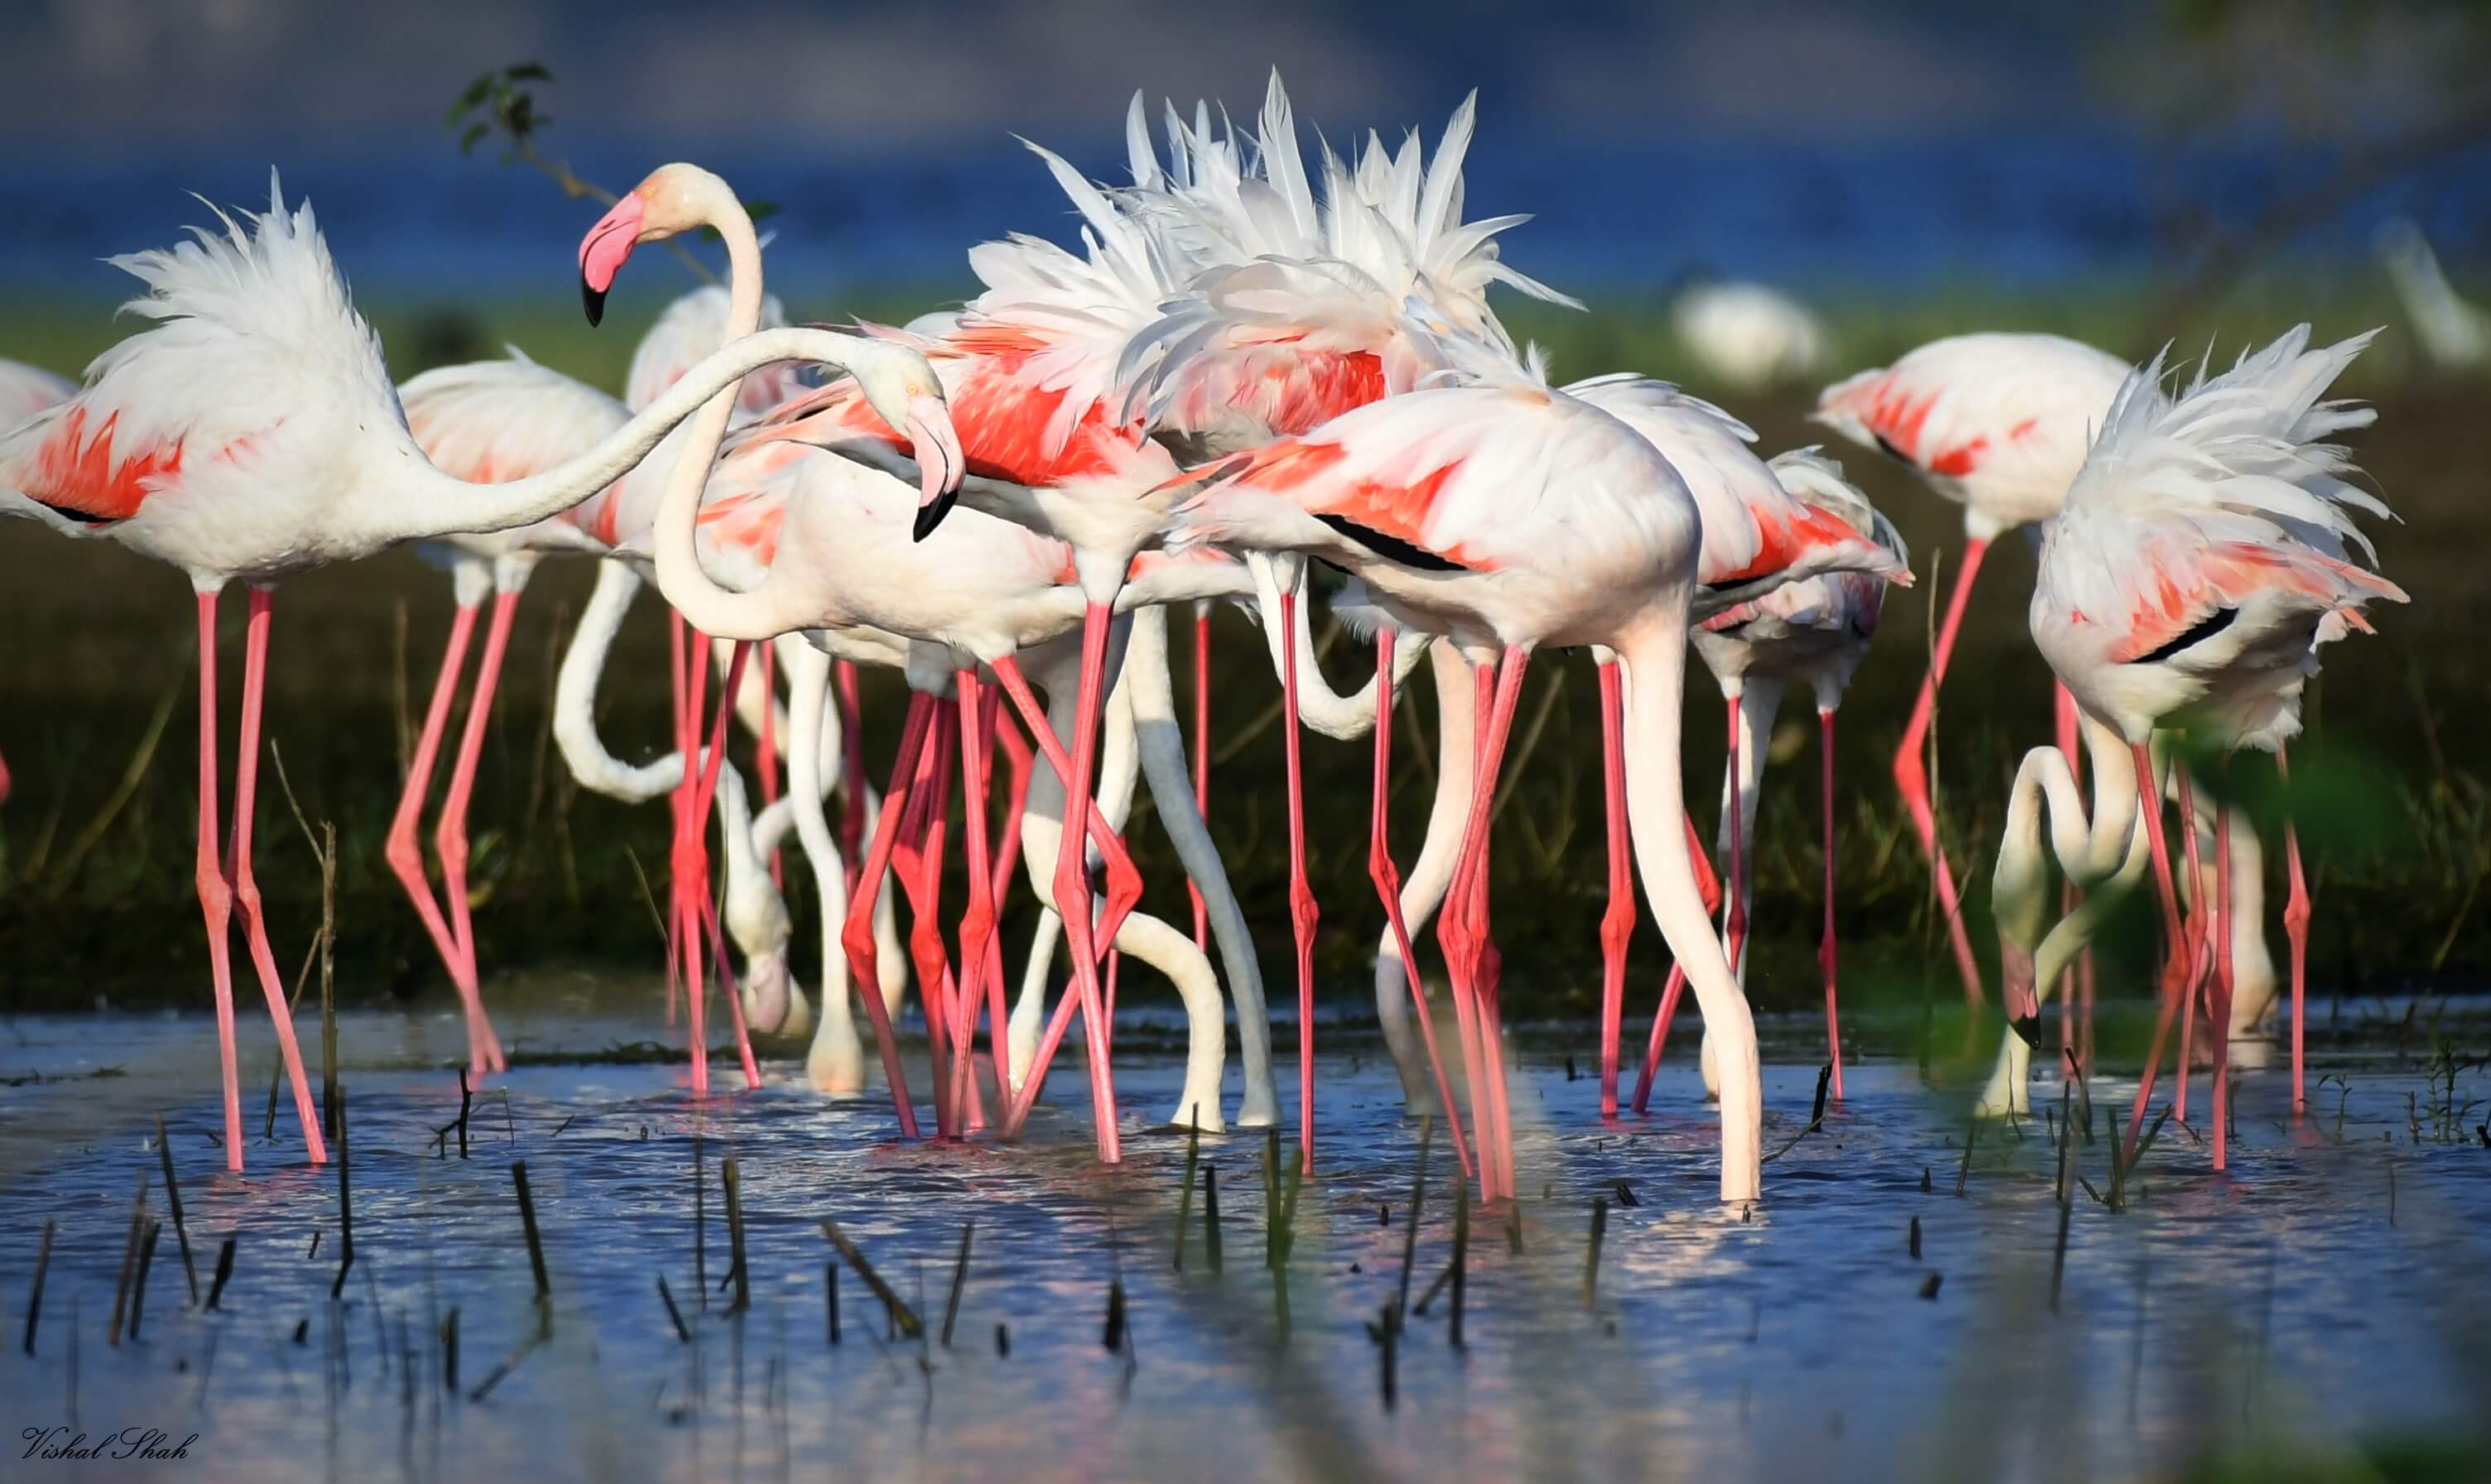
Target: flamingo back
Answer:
[[256, 376], [2206, 547], [1997, 422]]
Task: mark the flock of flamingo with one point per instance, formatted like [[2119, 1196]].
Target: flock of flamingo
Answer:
[[1246, 367]]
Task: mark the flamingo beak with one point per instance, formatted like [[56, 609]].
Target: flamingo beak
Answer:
[[2019, 993], [940, 463], [602, 252]]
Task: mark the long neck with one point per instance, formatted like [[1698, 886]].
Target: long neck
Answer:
[[708, 606], [1340, 718], [574, 696], [1655, 650], [419, 502]]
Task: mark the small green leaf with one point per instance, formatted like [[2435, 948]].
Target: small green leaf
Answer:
[[467, 100], [476, 132], [760, 211], [528, 72]]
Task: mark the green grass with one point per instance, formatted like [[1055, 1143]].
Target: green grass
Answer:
[[96, 898]]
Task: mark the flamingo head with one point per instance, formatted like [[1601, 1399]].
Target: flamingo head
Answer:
[[674, 198], [904, 391], [2018, 991], [769, 992]]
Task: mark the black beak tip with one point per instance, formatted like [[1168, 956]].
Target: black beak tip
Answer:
[[592, 300], [932, 516], [2028, 1029]]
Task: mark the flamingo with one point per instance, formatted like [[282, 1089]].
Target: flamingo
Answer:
[[251, 432], [2203, 555], [983, 609], [1999, 425], [973, 562], [1509, 516], [1747, 335], [26, 391], [1060, 369], [1757, 536], [1815, 630], [486, 423], [2095, 842]]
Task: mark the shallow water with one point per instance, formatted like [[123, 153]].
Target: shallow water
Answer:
[[2293, 1307]]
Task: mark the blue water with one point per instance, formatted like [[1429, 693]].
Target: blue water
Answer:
[[1611, 215], [2325, 1294]]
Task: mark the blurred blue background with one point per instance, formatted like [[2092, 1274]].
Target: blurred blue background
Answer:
[[1833, 146]]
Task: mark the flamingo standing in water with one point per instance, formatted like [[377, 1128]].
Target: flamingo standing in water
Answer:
[[2200, 561], [26, 391], [251, 432], [1815, 631], [1997, 423], [1508, 516], [1758, 537], [486, 423]]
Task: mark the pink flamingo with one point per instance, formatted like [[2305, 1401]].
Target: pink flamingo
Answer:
[[1999, 425], [2200, 560], [252, 432], [1758, 537], [1509, 517], [1816, 631], [487, 423]]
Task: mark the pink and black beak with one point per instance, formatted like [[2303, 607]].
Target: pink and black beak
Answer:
[[602, 252], [2019, 993], [940, 463]]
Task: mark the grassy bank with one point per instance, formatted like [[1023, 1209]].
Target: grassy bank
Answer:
[[95, 852]]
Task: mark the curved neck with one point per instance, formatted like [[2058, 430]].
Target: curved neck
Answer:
[[419, 501], [574, 697], [1340, 718], [709, 607]]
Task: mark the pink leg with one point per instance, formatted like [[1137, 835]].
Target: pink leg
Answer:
[[1087, 992], [2296, 923], [980, 967], [2180, 979], [450, 838], [1301, 896], [246, 890], [1072, 902], [856, 934], [1455, 935], [2218, 1016], [703, 798], [2071, 895], [1380, 870], [1910, 772], [689, 863], [1018, 758], [1825, 953], [1469, 945], [675, 799], [215, 897], [1201, 756], [1710, 886], [916, 858], [405, 856], [1734, 926], [1616, 923], [2197, 920], [765, 760], [852, 768]]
